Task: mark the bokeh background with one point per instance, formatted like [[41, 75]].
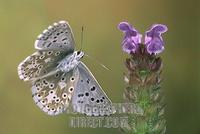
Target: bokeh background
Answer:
[[22, 20]]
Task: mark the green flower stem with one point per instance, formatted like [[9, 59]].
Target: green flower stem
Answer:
[[144, 91]]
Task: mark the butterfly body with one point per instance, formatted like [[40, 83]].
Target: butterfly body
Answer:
[[59, 78], [70, 62]]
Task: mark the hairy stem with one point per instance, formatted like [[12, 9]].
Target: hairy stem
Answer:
[[144, 91]]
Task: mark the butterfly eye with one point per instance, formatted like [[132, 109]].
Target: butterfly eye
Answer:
[[78, 52]]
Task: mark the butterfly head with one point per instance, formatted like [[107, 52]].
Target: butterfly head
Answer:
[[78, 54]]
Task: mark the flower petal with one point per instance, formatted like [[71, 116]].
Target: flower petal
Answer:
[[132, 38], [153, 39], [124, 26], [128, 46]]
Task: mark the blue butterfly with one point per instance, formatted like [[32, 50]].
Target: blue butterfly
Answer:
[[58, 77]]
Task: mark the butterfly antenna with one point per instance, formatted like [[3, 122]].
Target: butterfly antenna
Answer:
[[82, 37], [97, 62]]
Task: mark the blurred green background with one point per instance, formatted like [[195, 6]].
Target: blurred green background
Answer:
[[22, 20]]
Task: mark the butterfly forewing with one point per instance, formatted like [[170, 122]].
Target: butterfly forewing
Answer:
[[53, 45], [56, 37], [88, 97], [54, 92]]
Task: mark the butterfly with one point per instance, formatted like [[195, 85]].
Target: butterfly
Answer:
[[59, 79]]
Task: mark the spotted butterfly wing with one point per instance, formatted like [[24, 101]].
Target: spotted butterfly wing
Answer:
[[53, 92], [56, 37], [53, 45], [50, 87], [53, 89], [88, 96]]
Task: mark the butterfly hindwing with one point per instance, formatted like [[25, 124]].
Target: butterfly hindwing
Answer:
[[56, 37], [53, 93], [88, 97], [39, 64]]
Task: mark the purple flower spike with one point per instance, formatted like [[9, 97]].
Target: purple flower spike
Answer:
[[131, 39], [153, 39]]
